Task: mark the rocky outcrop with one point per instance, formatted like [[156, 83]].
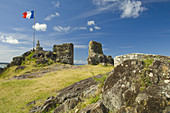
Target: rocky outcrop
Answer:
[[26, 54], [65, 53], [120, 59], [96, 55], [41, 61], [95, 108], [17, 61], [20, 68], [134, 86], [70, 96]]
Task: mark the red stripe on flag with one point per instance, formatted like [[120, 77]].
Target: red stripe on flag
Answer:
[[24, 14]]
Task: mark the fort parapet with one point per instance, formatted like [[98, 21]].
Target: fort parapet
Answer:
[[120, 59]]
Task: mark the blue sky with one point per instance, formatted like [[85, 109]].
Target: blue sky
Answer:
[[122, 26]]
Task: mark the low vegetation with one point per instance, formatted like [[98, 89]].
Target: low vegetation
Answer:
[[144, 80]]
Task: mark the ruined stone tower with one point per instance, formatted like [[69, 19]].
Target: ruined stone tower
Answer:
[[65, 53], [96, 55]]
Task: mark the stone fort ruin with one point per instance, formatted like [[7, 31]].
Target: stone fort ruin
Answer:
[[61, 53], [120, 59], [65, 53], [96, 55]]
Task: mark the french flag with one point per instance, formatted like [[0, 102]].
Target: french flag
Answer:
[[29, 14]]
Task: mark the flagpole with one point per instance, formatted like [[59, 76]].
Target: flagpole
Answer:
[[34, 32]]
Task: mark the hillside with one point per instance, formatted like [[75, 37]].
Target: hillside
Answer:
[[16, 94], [134, 86]]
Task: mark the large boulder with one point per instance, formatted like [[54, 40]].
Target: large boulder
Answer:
[[38, 55], [96, 55], [26, 54], [51, 55], [17, 61], [48, 54], [134, 87]]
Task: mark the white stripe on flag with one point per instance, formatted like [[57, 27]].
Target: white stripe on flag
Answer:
[[29, 14]]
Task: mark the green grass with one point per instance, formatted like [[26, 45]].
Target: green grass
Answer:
[[144, 80], [15, 94], [101, 80], [94, 99], [87, 101], [148, 62]]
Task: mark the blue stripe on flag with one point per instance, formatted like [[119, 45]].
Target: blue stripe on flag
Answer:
[[32, 14]]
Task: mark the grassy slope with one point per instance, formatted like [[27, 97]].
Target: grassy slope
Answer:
[[15, 94]]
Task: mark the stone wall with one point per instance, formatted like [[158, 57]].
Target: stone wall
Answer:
[[96, 55], [120, 59], [65, 53]]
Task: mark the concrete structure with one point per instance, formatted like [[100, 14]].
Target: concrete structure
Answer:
[[38, 47]]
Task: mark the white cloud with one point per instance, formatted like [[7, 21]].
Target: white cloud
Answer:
[[40, 27], [10, 51], [103, 2], [20, 29], [83, 28], [97, 28], [90, 29], [89, 23], [81, 46], [126, 8], [48, 18], [80, 62], [56, 4], [61, 29], [9, 39], [131, 9]]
